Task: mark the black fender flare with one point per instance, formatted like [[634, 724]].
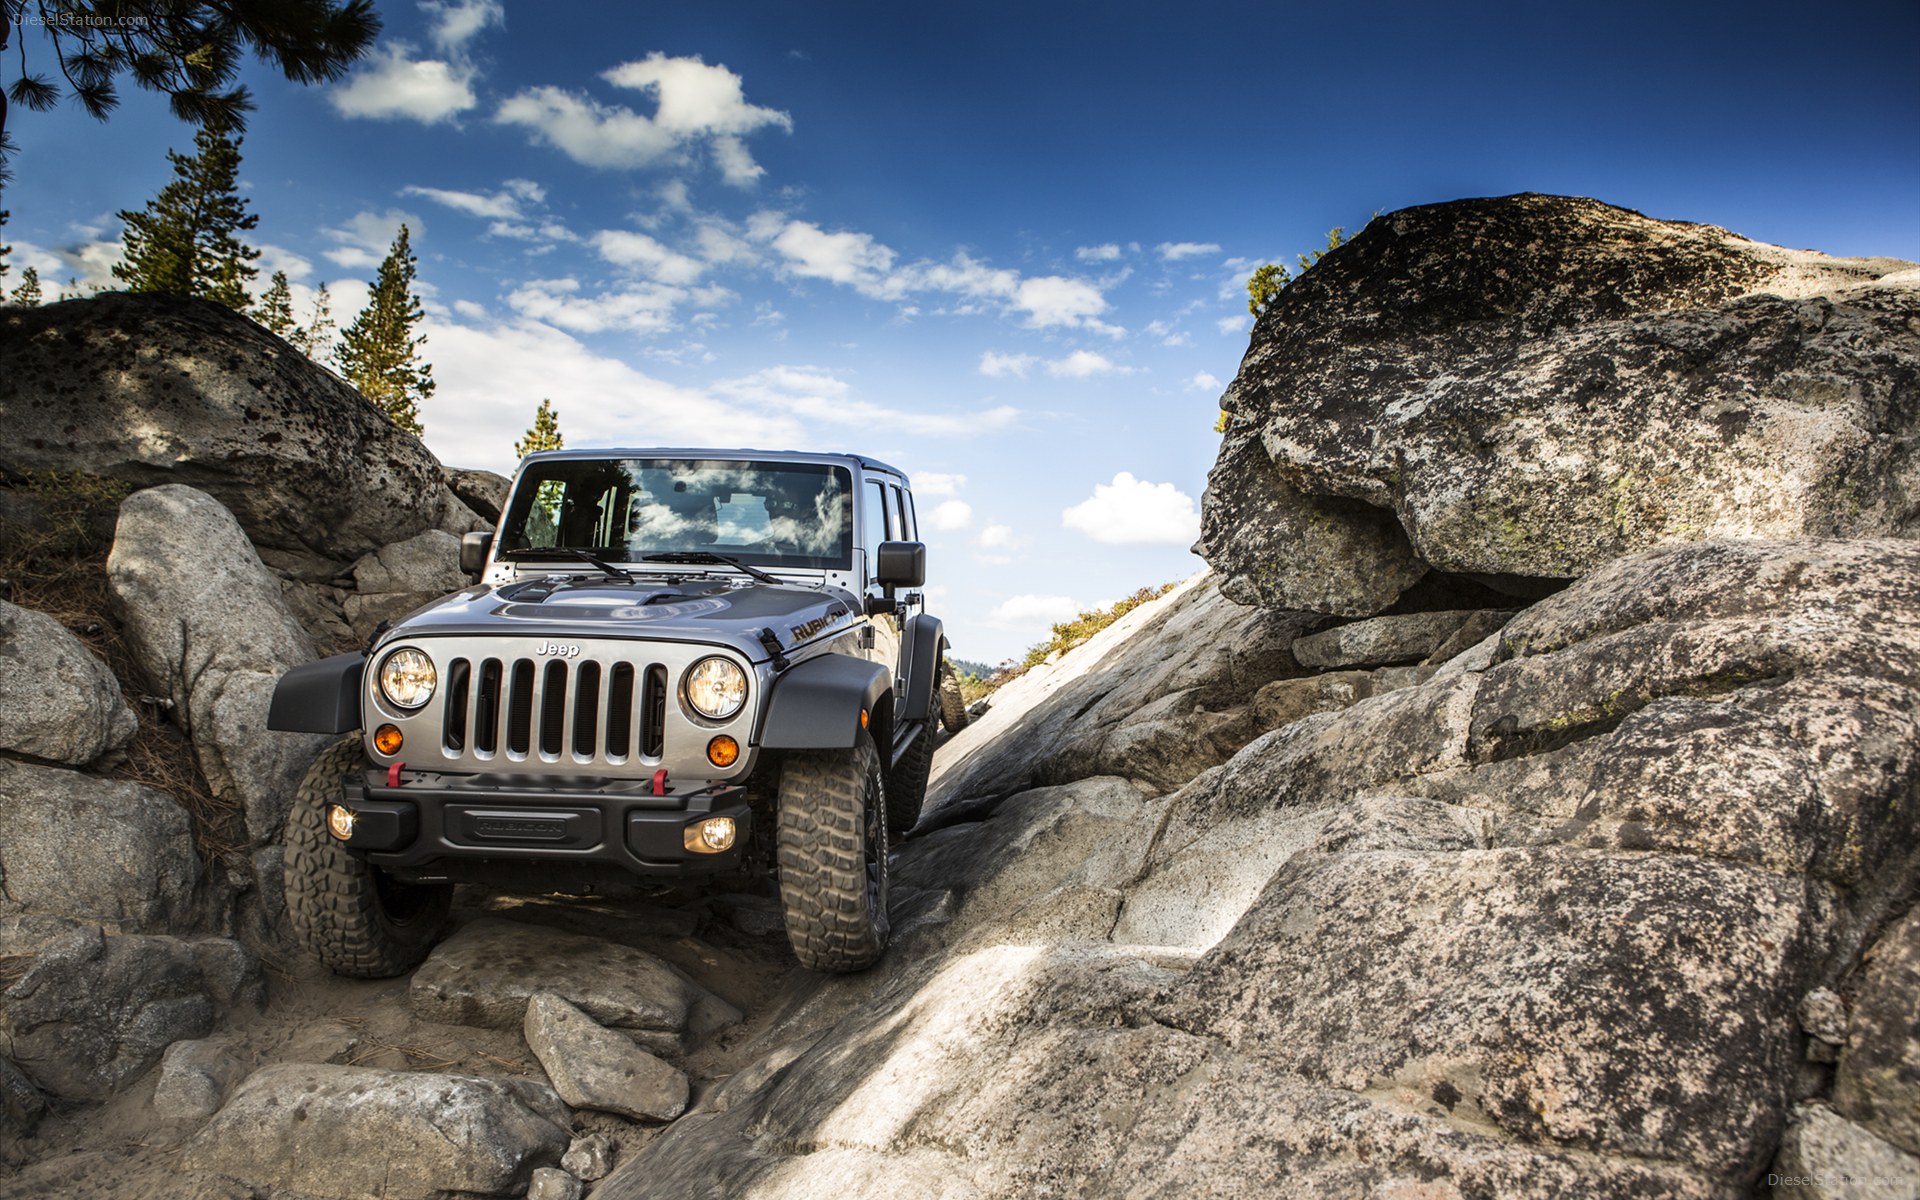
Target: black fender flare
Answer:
[[817, 704], [926, 637], [319, 697]]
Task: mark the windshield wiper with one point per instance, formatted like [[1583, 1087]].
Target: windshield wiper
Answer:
[[703, 556], [578, 553]]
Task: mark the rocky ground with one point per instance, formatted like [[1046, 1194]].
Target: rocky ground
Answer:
[[1567, 849]]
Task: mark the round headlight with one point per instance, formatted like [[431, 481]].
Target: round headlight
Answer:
[[407, 678], [717, 688]]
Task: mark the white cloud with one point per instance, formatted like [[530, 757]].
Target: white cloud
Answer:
[[1233, 325], [502, 204], [937, 483], [1175, 251], [949, 515], [492, 377], [996, 535], [626, 248], [694, 104], [1110, 252], [457, 22], [365, 239], [1030, 610], [995, 366], [1131, 511], [646, 309], [1081, 364], [853, 259], [279, 258], [819, 396], [395, 86], [1055, 300], [1203, 381]]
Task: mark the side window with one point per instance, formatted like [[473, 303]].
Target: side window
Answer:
[[902, 516], [874, 522], [913, 520]]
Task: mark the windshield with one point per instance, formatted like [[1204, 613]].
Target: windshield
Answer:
[[768, 514]]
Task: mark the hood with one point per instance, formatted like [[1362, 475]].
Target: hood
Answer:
[[693, 610]]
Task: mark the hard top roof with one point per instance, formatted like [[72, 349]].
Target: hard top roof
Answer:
[[592, 452]]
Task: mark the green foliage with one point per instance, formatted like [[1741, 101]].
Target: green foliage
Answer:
[[379, 353], [1068, 634], [186, 242], [545, 434], [27, 295], [190, 51], [275, 310], [1264, 286], [1270, 279]]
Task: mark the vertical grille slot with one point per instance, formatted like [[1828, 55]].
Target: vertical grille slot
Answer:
[[486, 708], [553, 709], [620, 712], [520, 708], [586, 709], [653, 721], [454, 722]]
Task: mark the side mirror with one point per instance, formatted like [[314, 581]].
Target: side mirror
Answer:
[[474, 548], [900, 564]]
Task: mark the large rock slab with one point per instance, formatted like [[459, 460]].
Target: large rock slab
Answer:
[[487, 972], [156, 389], [1534, 385], [101, 851], [208, 623], [58, 701], [1827, 1157], [1380, 642], [592, 1066], [93, 1013], [1195, 643], [1539, 926], [394, 580], [334, 1131]]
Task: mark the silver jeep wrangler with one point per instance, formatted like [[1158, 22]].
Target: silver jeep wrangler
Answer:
[[673, 663]]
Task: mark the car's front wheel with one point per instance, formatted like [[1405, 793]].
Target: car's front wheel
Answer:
[[833, 856], [352, 916]]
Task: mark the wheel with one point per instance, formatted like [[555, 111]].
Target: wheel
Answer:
[[907, 786], [353, 917], [833, 857], [953, 706]]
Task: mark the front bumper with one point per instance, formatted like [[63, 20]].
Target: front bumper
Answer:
[[409, 819]]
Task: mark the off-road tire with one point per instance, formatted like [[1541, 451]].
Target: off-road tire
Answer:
[[350, 915], [907, 786], [953, 706], [833, 857]]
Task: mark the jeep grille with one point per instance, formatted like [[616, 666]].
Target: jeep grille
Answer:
[[603, 711]]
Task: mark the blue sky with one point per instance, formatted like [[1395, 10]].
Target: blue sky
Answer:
[[1000, 245]]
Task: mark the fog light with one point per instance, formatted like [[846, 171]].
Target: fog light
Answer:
[[340, 821], [387, 739], [723, 751], [711, 836]]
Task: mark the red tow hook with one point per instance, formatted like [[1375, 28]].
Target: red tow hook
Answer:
[[660, 782], [393, 774]]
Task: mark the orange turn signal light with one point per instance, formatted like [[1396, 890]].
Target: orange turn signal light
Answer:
[[387, 739], [723, 751]]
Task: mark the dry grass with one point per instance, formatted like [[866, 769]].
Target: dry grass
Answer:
[[61, 570]]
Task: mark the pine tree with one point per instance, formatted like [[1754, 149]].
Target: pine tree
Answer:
[[4, 248], [315, 338], [379, 353], [186, 241], [275, 310], [545, 434], [27, 295]]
